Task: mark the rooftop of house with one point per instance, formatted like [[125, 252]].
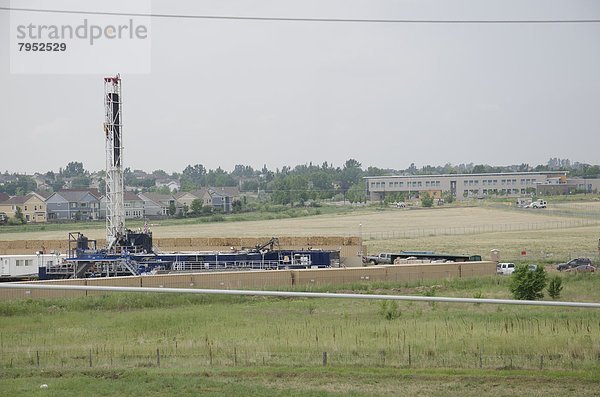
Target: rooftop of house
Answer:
[[157, 197], [20, 200]]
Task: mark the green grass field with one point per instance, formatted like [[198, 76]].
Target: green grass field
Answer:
[[146, 344], [297, 381]]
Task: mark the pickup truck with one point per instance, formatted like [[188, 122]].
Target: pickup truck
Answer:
[[382, 258], [505, 268], [537, 204]]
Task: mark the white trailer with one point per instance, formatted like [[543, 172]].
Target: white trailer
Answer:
[[24, 266]]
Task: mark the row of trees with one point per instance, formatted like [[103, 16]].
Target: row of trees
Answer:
[[286, 185]]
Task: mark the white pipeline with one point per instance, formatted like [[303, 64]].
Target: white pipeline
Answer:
[[286, 294]]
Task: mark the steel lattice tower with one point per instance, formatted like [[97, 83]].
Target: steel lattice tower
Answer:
[[115, 209]]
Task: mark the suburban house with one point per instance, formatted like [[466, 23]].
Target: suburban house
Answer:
[[40, 181], [221, 200], [134, 206], [156, 204], [172, 184], [217, 198], [187, 198], [231, 191], [74, 205], [6, 179], [32, 206]]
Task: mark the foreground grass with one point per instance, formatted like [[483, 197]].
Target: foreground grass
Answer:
[[155, 345], [300, 381], [126, 330]]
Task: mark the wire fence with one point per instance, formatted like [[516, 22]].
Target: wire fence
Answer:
[[407, 357], [478, 229]]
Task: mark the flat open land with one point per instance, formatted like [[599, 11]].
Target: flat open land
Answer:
[[564, 231], [372, 223], [155, 345]]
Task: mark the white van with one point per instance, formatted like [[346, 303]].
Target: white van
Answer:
[[505, 268]]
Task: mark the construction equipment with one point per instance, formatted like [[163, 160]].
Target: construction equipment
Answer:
[[132, 253]]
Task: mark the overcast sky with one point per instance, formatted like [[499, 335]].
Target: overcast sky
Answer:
[[224, 92]]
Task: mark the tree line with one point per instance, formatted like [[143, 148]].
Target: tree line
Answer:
[[287, 185]]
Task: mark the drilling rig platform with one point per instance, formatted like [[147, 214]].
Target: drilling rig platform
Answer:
[[132, 253]]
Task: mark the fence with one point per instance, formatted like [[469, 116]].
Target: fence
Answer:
[[478, 229], [267, 278], [350, 243], [172, 356], [577, 210]]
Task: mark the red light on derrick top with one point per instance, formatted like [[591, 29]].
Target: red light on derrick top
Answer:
[[112, 79]]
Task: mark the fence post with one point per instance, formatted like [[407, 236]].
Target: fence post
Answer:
[[234, 356], [37, 355], [409, 356], [90, 357], [324, 359], [158, 357], [480, 358], [541, 361]]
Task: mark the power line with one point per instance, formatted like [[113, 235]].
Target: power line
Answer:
[[294, 19]]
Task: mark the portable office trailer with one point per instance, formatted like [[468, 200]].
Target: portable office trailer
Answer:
[[26, 266]]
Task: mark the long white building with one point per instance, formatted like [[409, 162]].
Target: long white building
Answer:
[[462, 186]]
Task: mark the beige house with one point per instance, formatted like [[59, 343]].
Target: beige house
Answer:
[[32, 205], [215, 197], [186, 198]]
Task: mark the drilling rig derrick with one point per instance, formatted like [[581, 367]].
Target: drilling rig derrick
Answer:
[[115, 208]]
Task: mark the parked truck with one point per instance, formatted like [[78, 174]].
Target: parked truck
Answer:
[[391, 258], [537, 204], [382, 258]]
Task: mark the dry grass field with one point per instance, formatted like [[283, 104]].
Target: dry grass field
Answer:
[[567, 230]]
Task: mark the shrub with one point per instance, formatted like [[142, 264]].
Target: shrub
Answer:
[[389, 310], [555, 287], [526, 284], [426, 200]]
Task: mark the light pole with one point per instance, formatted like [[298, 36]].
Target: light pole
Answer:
[[360, 240]]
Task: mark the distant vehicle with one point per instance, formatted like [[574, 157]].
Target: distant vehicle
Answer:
[[582, 269], [523, 201], [401, 205], [573, 263], [537, 204], [382, 258], [505, 268], [532, 268]]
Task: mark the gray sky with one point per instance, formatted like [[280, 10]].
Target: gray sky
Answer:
[[279, 93]]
